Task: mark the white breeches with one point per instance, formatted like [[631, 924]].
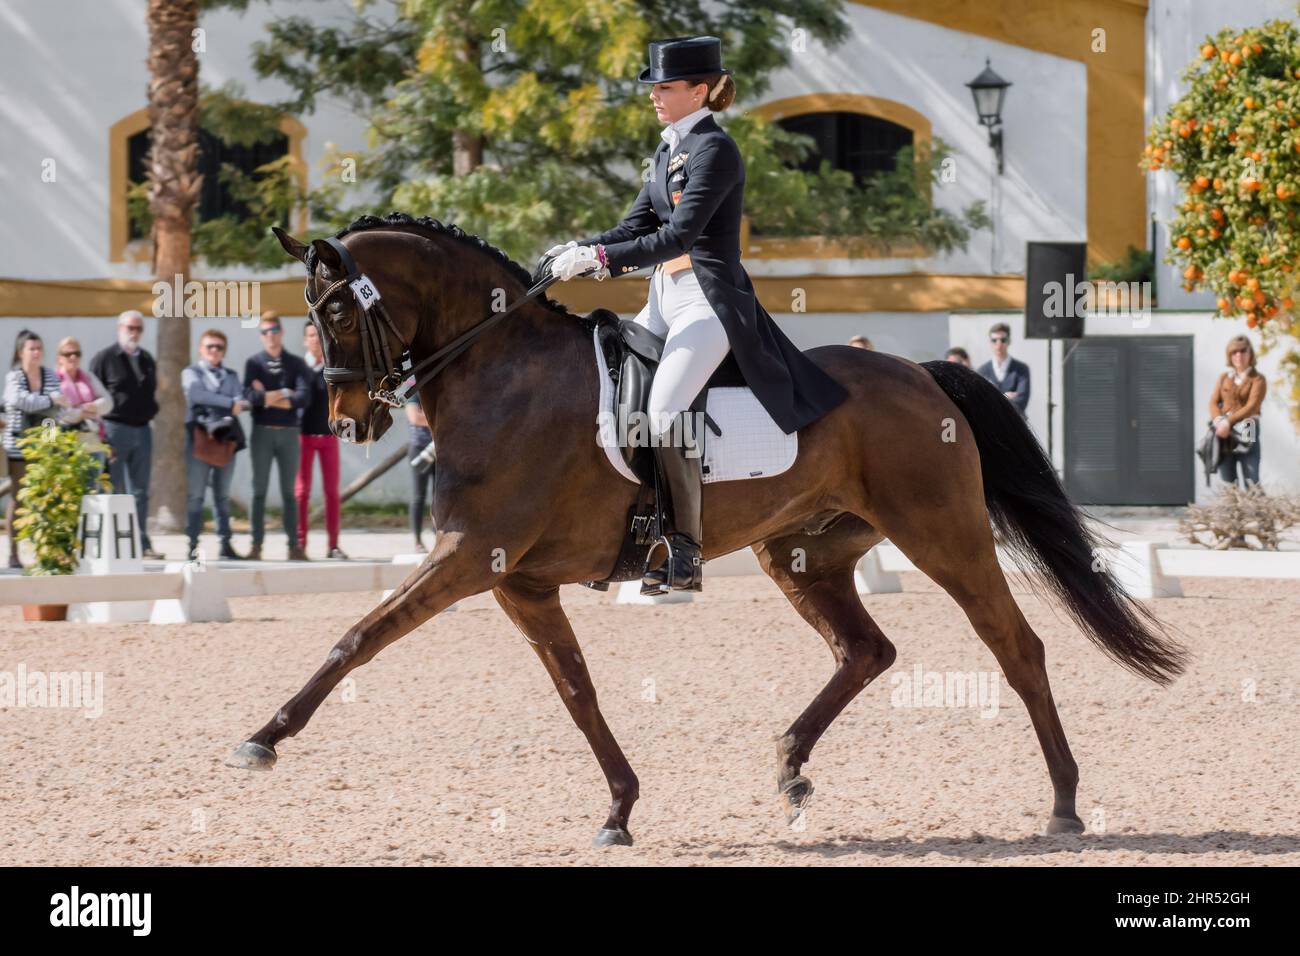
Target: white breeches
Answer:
[[695, 344]]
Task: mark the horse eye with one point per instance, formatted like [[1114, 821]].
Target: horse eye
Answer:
[[340, 315]]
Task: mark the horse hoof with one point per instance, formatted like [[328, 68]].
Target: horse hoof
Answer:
[[1064, 825], [795, 795], [616, 837], [251, 756]]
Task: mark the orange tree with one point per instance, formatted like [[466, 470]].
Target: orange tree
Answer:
[[1234, 144]]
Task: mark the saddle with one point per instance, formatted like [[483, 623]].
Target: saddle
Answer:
[[632, 354]]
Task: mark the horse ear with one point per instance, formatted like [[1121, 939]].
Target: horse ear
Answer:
[[327, 254], [291, 245]]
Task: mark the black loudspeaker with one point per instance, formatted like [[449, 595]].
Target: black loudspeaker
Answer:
[[1055, 273]]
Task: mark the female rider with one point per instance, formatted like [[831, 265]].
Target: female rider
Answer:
[[685, 223]]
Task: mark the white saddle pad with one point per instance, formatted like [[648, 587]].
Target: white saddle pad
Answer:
[[752, 445]]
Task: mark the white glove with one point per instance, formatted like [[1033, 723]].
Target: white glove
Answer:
[[575, 261], [556, 250]]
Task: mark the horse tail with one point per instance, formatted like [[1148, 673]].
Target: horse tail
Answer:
[[1046, 533]]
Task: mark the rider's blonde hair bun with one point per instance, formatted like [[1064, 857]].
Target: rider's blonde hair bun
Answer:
[[721, 92]]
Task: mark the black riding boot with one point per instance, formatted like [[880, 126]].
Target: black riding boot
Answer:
[[681, 570]]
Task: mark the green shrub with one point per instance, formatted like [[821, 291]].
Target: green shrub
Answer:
[[60, 472]]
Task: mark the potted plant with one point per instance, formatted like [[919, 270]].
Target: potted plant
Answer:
[[60, 472]]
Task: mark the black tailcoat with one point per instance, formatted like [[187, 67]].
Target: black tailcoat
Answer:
[[693, 204]]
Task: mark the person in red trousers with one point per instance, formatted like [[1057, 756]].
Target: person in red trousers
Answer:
[[316, 439]]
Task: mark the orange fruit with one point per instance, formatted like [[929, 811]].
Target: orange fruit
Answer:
[[1207, 51], [1184, 242]]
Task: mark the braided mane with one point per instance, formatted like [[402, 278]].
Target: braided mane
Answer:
[[434, 227]]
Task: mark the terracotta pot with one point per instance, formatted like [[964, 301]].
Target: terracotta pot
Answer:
[[45, 612]]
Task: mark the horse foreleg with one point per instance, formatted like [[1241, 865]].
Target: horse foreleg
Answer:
[[452, 571], [536, 611]]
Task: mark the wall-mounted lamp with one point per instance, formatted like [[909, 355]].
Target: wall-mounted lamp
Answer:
[[989, 90]]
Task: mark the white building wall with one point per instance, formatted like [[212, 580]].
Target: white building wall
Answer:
[[72, 70], [1041, 196]]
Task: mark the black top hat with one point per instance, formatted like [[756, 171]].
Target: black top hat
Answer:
[[679, 57]]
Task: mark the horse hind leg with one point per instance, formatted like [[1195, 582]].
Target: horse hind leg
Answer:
[[942, 550], [816, 576]]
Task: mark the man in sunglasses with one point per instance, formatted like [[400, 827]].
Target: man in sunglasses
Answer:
[[277, 385], [130, 376], [213, 402], [1011, 376]]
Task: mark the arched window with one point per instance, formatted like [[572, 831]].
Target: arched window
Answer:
[[128, 147], [853, 131], [215, 199], [860, 144]]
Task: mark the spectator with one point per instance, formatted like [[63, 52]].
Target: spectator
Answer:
[[277, 385], [862, 342], [87, 399], [422, 467], [1008, 374], [212, 399], [317, 439], [1235, 406], [130, 376], [32, 394], [957, 354]]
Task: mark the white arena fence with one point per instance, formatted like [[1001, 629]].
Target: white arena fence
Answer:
[[197, 592]]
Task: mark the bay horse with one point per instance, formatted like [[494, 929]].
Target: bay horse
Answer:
[[931, 456]]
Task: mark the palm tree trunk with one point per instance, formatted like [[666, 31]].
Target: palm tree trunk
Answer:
[[174, 183], [466, 145]]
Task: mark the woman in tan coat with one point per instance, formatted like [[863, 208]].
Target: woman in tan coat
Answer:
[[1238, 396]]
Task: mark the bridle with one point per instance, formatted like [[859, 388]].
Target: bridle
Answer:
[[387, 381]]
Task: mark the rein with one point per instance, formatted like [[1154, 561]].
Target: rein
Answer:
[[386, 380]]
